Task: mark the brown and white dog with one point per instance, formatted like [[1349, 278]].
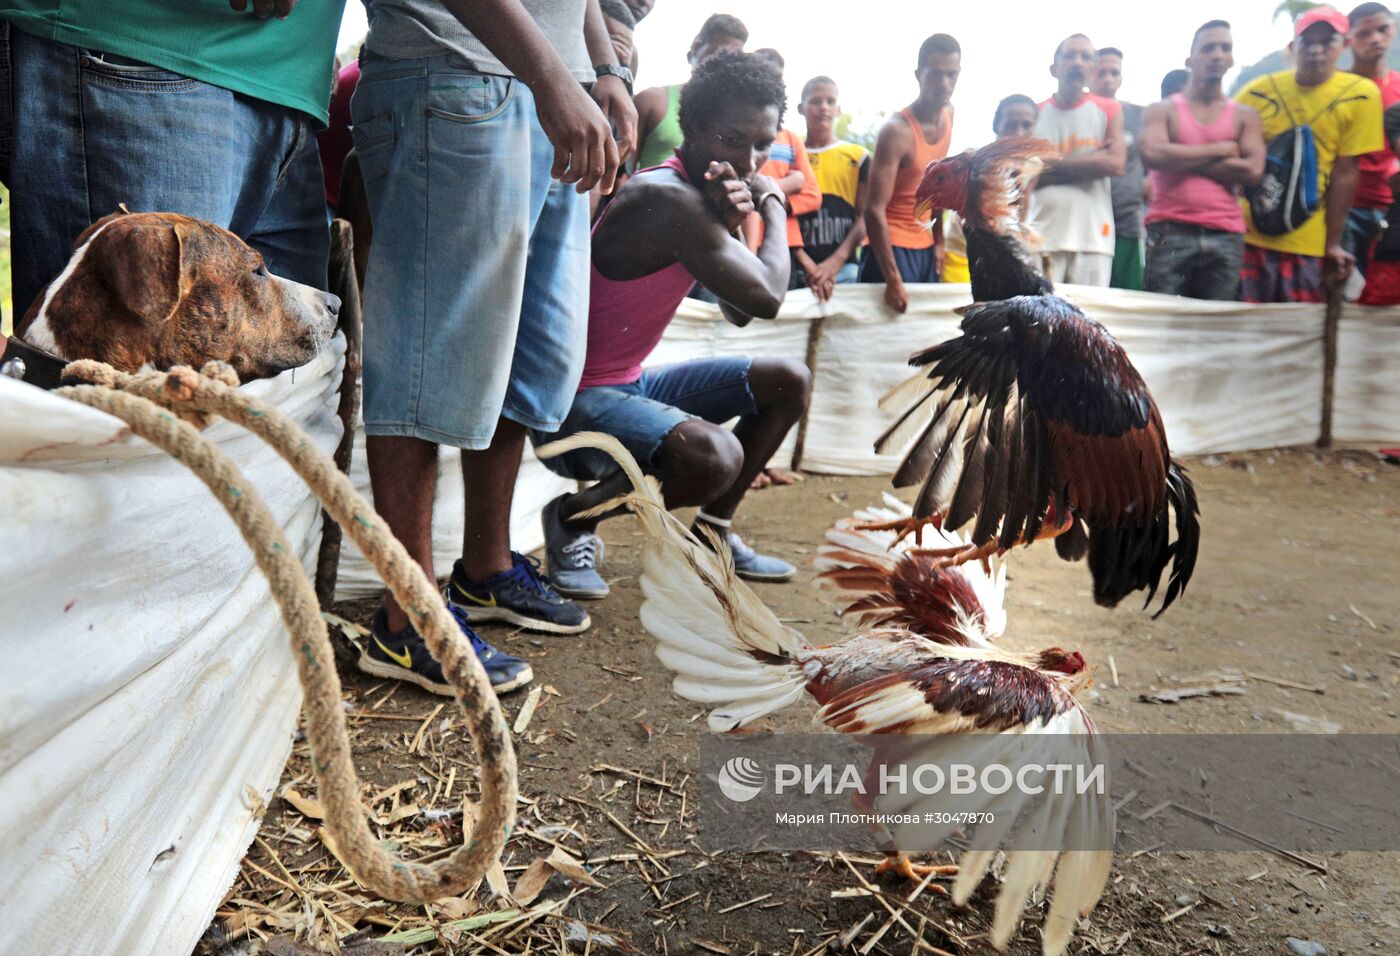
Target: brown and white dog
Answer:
[[155, 290]]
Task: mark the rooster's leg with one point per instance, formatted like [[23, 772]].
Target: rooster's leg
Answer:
[[952, 557], [902, 527], [898, 862], [895, 859]]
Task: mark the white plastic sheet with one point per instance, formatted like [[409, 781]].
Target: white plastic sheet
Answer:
[[1227, 376], [149, 695]]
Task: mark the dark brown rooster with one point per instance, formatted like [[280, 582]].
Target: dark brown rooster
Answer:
[[1033, 423]]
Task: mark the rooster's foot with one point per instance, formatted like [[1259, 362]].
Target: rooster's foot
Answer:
[[952, 557], [902, 527], [914, 872]]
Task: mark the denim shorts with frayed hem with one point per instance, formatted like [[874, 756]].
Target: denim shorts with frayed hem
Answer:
[[641, 414], [476, 295]]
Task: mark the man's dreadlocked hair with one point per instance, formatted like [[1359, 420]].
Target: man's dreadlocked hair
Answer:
[[725, 77]]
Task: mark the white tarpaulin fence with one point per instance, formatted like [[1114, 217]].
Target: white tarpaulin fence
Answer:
[[150, 690], [150, 694]]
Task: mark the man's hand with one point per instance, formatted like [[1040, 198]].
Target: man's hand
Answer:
[[895, 296], [262, 9], [821, 278], [610, 93], [584, 151], [1337, 265], [729, 195]]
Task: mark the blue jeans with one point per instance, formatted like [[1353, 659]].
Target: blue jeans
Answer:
[[914, 265], [476, 295], [1190, 260], [641, 414], [1361, 229], [81, 132]]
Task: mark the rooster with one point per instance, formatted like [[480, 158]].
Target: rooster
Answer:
[[1033, 423], [925, 663]]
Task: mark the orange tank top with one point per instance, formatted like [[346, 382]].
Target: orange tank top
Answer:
[[904, 231]]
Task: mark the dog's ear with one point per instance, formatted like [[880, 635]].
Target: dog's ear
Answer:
[[143, 264]]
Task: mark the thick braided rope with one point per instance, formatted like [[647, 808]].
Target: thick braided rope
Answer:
[[188, 392]]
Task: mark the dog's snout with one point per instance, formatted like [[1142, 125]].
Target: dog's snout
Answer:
[[332, 302]]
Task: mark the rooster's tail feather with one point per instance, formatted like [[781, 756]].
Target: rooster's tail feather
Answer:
[[722, 642]]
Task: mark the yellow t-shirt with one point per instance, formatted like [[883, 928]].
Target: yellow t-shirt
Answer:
[[1346, 117]]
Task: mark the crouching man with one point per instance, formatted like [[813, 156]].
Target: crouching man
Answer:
[[673, 225]]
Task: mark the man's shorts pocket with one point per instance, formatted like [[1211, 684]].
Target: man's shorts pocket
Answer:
[[468, 98], [125, 73]]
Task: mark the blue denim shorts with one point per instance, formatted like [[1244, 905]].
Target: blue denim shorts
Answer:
[[642, 414], [476, 295]]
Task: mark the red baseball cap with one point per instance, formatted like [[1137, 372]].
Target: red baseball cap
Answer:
[[1332, 17]]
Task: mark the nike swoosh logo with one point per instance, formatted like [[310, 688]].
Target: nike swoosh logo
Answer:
[[405, 659], [489, 602]]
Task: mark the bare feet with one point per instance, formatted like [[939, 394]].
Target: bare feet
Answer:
[[772, 476]]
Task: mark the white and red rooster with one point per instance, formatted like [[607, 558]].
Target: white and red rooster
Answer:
[[925, 662]]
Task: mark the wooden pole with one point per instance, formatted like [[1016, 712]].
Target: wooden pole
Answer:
[[343, 282], [814, 341], [1329, 362]]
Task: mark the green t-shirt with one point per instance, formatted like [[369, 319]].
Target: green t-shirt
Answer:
[[289, 62]]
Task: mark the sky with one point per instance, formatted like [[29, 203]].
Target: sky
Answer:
[[870, 46]]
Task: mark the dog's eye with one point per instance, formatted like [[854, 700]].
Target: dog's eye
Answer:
[[261, 270]]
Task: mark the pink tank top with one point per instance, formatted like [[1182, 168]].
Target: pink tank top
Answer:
[[1179, 196], [627, 318]]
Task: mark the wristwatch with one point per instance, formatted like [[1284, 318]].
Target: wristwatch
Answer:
[[612, 69]]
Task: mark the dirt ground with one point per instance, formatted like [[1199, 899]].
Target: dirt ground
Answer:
[[1297, 579]]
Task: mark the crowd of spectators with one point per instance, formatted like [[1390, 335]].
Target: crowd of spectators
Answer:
[[490, 137]]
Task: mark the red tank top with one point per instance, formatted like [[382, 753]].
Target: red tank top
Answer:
[[626, 318], [905, 231], [1180, 196]]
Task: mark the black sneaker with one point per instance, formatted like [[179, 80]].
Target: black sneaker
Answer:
[[521, 596], [404, 656]]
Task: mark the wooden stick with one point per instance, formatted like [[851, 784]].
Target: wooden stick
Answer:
[[343, 282], [1331, 325], [814, 340], [1282, 682], [1287, 854]]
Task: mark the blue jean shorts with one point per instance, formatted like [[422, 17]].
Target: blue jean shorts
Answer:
[[476, 295], [82, 131], [642, 414]]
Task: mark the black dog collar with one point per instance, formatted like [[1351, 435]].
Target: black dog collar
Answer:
[[29, 364]]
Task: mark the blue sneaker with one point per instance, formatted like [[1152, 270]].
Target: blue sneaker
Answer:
[[521, 596], [404, 656], [574, 556], [752, 566]]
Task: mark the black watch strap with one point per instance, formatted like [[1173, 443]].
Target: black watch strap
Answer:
[[612, 69]]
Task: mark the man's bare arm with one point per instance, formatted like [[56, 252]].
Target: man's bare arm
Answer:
[[893, 145], [1108, 160], [609, 92], [1248, 168], [1159, 152], [1341, 192], [651, 108], [752, 284]]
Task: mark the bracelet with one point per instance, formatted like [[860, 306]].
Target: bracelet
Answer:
[[782, 200]]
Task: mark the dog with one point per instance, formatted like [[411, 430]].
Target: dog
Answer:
[[153, 290]]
